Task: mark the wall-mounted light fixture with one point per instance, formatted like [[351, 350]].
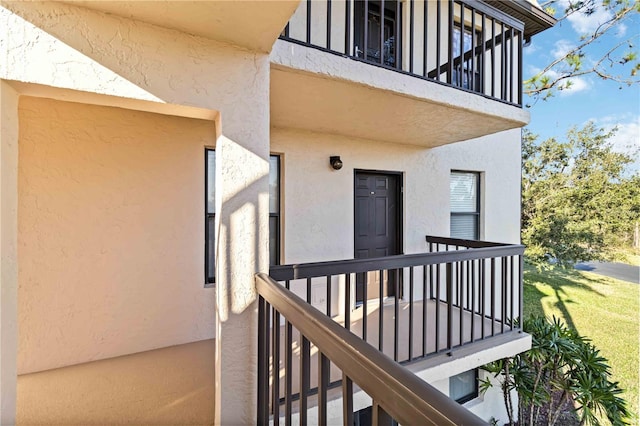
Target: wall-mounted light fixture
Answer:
[[336, 162]]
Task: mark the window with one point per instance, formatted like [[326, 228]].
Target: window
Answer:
[[464, 387], [210, 213], [380, 38], [466, 72], [465, 205]]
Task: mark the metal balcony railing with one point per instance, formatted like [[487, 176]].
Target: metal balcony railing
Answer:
[[408, 307], [466, 44], [396, 393]]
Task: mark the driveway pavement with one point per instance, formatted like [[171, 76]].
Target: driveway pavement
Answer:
[[619, 271]]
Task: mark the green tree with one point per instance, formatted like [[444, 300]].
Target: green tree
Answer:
[[579, 201], [560, 367], [602, 51]]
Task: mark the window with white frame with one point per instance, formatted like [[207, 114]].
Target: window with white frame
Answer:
[[465, 205], [210, 213]]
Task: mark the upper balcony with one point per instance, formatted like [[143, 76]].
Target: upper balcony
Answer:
[[434, 72]]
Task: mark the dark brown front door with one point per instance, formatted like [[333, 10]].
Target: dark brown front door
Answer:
[[377, 224]]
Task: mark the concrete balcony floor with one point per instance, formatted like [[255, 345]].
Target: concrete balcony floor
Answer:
[[167, 386]]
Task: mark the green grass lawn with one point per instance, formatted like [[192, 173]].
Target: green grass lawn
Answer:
[[604, 309]]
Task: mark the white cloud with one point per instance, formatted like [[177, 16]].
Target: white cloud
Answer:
[[585, 24], [578, 84], [621, 30], [627, 138], [561, 48]]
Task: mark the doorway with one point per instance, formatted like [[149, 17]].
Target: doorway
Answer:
[[377, 226]]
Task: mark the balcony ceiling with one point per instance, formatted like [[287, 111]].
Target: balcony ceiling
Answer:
[[251, 24], [317, 91]]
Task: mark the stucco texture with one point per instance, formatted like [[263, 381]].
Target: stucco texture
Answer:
[[318, 201], [169, 386], [110, 233]]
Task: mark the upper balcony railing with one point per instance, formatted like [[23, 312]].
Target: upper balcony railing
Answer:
[[465, 44], [408, 307]]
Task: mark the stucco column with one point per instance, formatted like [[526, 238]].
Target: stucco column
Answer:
[[242, 225], [8, 252]]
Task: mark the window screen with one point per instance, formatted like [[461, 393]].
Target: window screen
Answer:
[[465, 205]]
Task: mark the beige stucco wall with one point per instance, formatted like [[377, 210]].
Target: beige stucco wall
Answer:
[[70, 47], [318, 201], [168, 386], [8, 251], [110, 233]]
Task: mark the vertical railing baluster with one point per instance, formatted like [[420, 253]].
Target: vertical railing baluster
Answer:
[[329, 24], [425, 38], [381, 313], [462, 295], [347, 401], [511, 59], [520, 290], [347, 301], [288, 368], [305, 368], [396, 312], [309, 21], [381, 32], [511, 279], [424, 307], [347, 27], [493, 58], [462, 70], [276, 368], [365, 284], [411, 312], [482, 55], [379, 416], [329, 296], [472, 83], [483, 291], [520, 71], [323, 384], [503, 296], [438, 37], [263, 362], [438, 267], [411, 29], [365, 31], [472, 267], [493, 295], [503, 63], [449, 283], [450, 28], [397, 37]]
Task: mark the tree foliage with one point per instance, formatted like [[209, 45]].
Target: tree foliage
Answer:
[[579, 201], [617, 61], [560, 367]]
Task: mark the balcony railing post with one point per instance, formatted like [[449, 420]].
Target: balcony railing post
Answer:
[[449, 281], [263, 362]]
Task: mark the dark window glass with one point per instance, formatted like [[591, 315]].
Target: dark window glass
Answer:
[[274, 213], [464, 387]]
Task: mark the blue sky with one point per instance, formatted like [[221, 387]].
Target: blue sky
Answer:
[[589, 98]]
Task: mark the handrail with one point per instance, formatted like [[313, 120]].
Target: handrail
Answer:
[[334, 267], [464, 243], [405, 397]]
